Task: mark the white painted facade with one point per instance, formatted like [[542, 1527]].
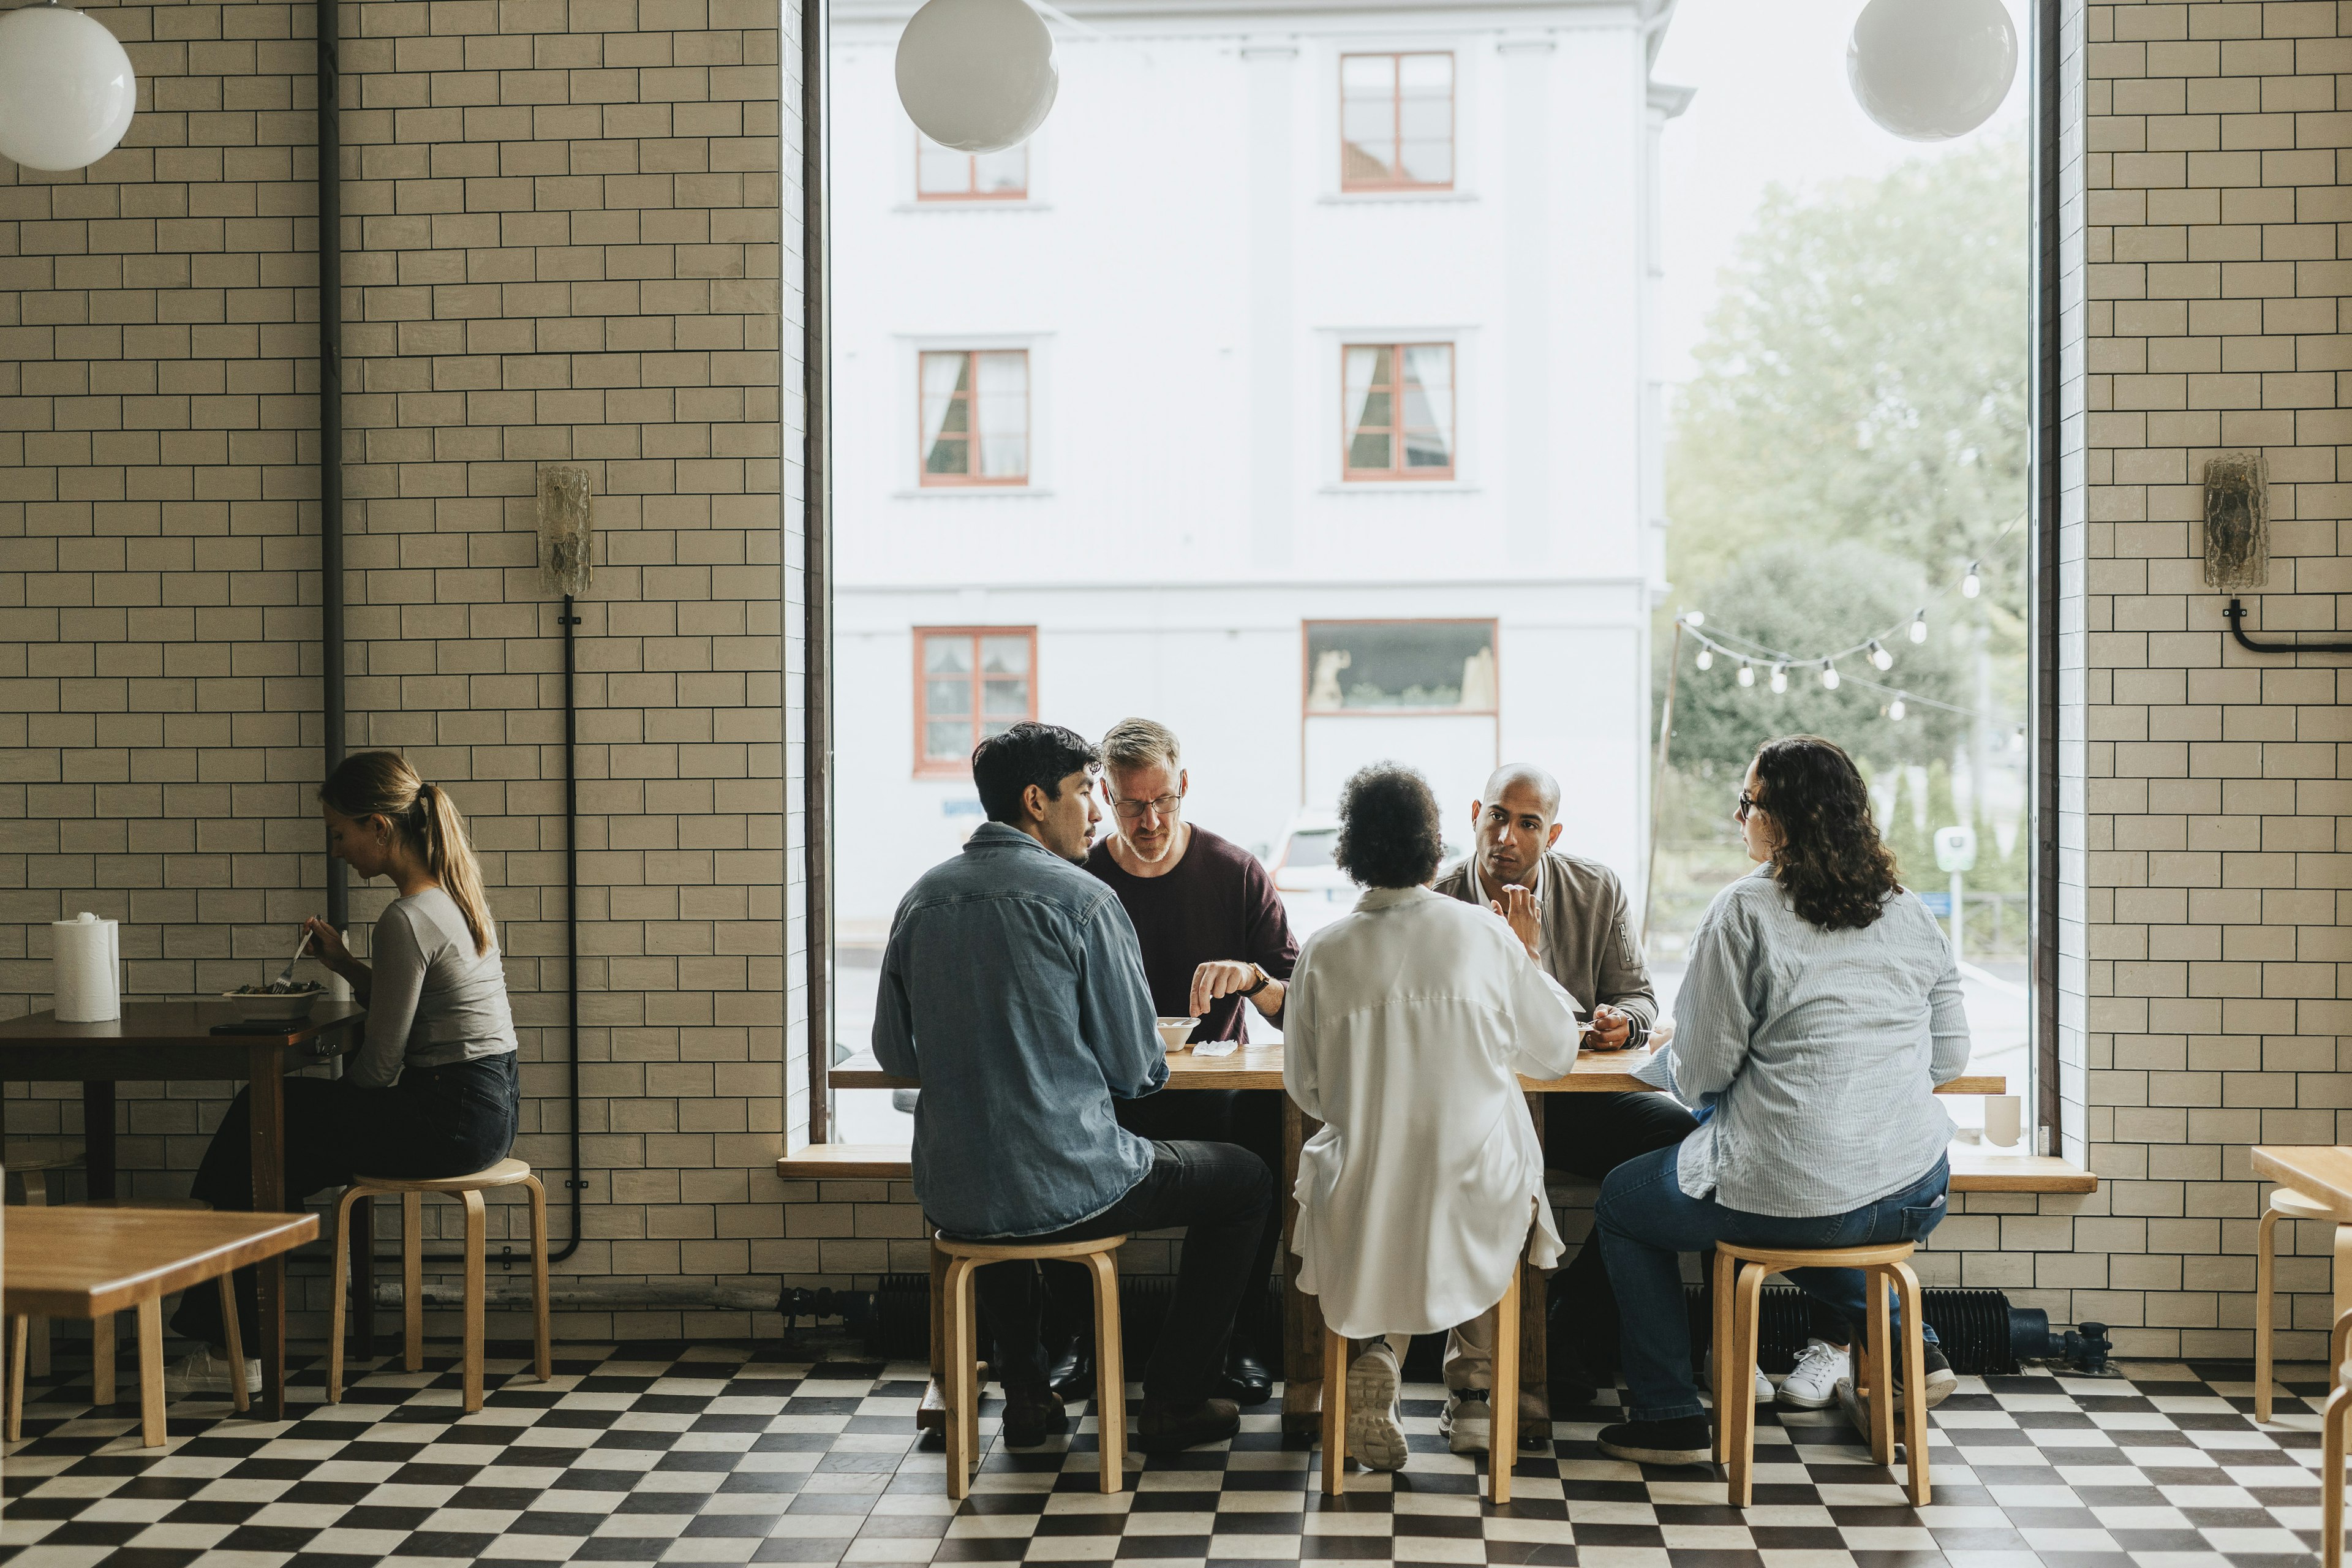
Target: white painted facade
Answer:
[[1183, 273]]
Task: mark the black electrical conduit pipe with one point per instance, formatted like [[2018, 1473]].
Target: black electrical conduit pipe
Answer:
[[2236, 616], [330, 596]]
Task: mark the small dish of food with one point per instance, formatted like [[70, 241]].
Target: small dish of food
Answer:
[[1174, 1032], [259, 1001]]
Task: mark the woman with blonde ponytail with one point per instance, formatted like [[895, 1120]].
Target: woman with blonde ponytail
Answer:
[[432, 1090]]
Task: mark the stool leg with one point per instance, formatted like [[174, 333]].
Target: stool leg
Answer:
[[1882, 1368], [1915, 1380], [2265, 1282], [13, 1425], [101, 1359], [2343, 1284], [1726, 1269], [1503, 1432], [2331, 1479], [1334, 1412], [960, 1393], [544, 1358], [412, 1281], [364, 1275], [353, 1200], [1740, 1404], [1110, 1371], [477, 1283], [36, 1195], [151, 1372], [238, 1399]]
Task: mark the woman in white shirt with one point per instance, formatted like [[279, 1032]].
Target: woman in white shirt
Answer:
[[432, 1090], [1404, 1026], [1820, 1009]]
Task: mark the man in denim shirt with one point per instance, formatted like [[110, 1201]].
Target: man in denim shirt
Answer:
[[1014, 988]]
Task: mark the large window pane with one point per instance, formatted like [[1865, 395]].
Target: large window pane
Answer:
[[1424, 665]]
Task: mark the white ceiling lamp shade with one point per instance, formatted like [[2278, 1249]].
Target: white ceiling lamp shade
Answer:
[[977, 75], [67, 89], [1929, 71]]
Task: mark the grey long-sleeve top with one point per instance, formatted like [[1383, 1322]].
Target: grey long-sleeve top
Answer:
[[432, 1000], [1820, 1049]]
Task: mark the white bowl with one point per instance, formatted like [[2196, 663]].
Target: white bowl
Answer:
[[1174, 1032], [289, 1005]]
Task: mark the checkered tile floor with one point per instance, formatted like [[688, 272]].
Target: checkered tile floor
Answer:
[[684, 1454]]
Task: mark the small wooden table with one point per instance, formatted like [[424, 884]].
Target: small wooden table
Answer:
[[1260, 1066], [158, 1041], [2321, 1171], [91, 1263]]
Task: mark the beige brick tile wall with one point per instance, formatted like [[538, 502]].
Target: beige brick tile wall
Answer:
[[570, 236]]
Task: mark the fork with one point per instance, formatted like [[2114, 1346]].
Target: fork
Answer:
[[284, 981]]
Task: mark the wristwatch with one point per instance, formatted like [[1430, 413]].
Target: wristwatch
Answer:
[[1263, 980]]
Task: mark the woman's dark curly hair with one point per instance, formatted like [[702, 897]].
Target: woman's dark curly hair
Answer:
[[1829, 858], [1389, 836]]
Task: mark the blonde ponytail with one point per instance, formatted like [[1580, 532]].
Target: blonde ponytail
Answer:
[[382, 783]]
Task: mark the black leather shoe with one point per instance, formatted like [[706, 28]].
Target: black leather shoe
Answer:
[[1248, 1381], [1073, 1376], [1031, 1416], [1171, 1428]]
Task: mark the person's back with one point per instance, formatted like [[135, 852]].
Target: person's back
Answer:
[[1014, 976]]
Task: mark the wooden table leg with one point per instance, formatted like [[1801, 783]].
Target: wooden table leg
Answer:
[[1535, 1300], [268, 1102], [97, 1137], [151, 1372], [1302, 1315]]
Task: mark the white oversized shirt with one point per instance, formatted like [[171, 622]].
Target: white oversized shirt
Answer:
[[1405, 1025]]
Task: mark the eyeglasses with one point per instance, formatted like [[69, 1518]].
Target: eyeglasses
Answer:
[[1748, 804], [1133, 810]]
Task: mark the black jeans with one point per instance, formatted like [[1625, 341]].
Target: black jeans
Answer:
[[1223, 1197], [1591, 1135], [435, 1122]]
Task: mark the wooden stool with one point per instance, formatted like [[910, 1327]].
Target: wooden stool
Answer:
[[1738, 1296], [2331, 1444], [412, 1191], [959, 1302], [22, 1339], [30, 1160], [1502, 1438], [2287, 1204]]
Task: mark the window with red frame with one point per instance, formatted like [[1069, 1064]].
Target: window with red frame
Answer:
[[970, 682], [1396, 123], [944, 174], [1397, 409], [975, 417]]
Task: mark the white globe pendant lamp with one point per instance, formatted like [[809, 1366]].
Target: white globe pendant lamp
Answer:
[[977, 75], [1929, 71], [67, 89]]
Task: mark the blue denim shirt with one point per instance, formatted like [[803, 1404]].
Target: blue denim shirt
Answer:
[[1014, 988]]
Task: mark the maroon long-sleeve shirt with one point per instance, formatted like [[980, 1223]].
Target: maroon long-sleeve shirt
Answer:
[[1218, 903]]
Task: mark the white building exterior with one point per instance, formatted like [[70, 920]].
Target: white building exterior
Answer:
[[1179, 279]]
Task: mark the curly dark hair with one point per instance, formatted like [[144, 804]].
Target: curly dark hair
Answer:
[[1830, 859], [1388, 834]]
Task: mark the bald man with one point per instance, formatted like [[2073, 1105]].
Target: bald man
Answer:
[[1572, 916]]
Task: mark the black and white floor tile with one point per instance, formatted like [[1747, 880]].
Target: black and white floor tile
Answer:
[[641, 1453]]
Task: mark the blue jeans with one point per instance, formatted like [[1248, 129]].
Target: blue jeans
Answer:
[[1645, 1222]]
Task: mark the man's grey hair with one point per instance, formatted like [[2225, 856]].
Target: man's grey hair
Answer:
[[1138, 743], [1547, 787]]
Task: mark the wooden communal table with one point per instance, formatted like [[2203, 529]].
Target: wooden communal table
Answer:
[[1260, 1066], [91, 1263], [158, 1041], [2321, 1171]]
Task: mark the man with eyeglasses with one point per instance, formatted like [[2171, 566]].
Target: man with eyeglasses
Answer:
[[1572, 917], [1216, 946]]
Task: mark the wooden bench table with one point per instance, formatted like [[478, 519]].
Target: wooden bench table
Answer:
[[1260, 1068], [91, 1263]]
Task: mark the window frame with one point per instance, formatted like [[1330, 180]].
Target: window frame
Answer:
[[924, 478], [927, 767], [972, 193], [1307, 667], [1397, 473], [1396, 58]]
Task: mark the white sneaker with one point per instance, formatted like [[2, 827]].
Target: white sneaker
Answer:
[[1469, 1423], [1814, 1385], [1375, 1425], [206, 1372], [1763, 1384]]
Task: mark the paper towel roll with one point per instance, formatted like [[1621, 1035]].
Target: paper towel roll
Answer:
[[88, 960]]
